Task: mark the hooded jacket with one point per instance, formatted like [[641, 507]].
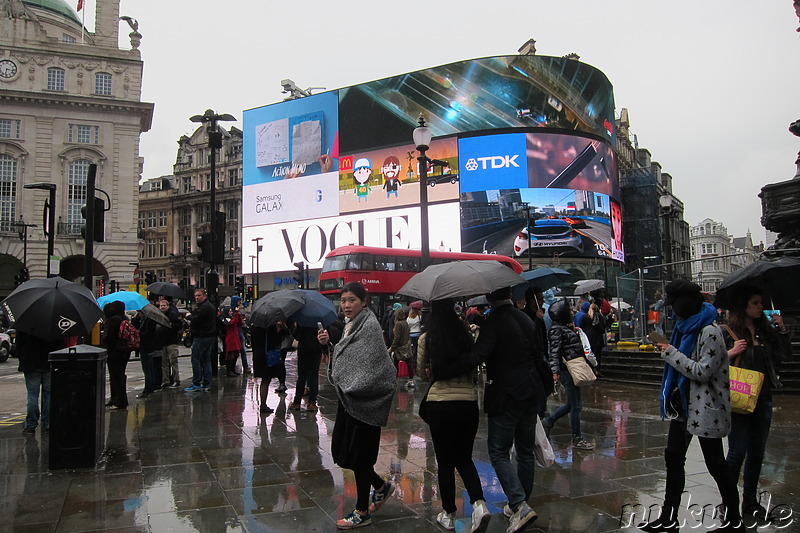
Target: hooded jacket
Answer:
[[114, 313], [564, 342]]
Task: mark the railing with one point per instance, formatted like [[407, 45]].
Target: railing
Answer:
[[69, 228]]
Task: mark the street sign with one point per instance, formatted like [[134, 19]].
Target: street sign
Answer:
[[136, 278]]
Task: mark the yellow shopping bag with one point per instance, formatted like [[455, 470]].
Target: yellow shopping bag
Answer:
[[745, 388]]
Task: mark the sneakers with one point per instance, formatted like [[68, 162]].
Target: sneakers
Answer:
[[176, 385], [410, 384], [281, 388], [480, 517], [192, 388], [205, 388], [311, 406], [29, 430], [446, 520], [354, 520], [144, 394], [582, 444], [379, 497], [756, 510], [521, 517], [507, 512]]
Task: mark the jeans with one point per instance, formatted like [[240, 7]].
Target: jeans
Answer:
[[678, 441], [746, 444], [33, 382], [574, 406], [202, 350], [515, 427], [307, 374], [149, 371], [454, 425]]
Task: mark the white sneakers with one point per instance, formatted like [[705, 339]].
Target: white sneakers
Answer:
[[480, 517], [521, 518], [446, 520]]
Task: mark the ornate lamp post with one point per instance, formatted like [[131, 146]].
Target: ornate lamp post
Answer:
[[422, 140]]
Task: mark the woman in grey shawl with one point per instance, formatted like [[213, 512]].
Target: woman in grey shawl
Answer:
[[365, 379]]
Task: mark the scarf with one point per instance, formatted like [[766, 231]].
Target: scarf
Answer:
[[684, 338]]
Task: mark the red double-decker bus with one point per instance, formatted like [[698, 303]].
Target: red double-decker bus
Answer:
[[383, 271]]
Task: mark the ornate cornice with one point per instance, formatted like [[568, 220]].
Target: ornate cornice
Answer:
[[40, 99]]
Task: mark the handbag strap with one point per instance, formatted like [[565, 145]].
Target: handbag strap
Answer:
[[735, 360]]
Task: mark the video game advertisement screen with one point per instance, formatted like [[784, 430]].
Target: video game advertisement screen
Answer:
[[543, 194]]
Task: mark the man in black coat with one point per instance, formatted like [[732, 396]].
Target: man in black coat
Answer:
[[204, 335], [517, 384]]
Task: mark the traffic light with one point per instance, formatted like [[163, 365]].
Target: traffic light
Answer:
[[99, 220], [150, 277], [250, 293], [300, 274], [22, 277], [240, 285], [101, 287], [204, 243], [112, 287]]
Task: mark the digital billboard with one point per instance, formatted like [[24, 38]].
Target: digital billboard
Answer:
[[539, 194], [523, 155]]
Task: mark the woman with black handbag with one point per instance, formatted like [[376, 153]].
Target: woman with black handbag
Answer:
[[759, 344], [450, 408]]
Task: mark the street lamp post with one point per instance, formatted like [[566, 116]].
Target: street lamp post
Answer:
[[422, 140], [526, 206], [257, 240], [214, 143], [49, 217]]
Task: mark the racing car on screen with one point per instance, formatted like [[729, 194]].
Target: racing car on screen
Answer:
[[545, 234]]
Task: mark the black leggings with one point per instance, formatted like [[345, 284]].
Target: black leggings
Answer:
[[366, 478], [675, 459], [453, 429]]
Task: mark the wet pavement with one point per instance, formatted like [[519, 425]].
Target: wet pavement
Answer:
[[209, 462]]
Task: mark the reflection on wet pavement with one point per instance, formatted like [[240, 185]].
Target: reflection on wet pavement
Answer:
[[205, 462]]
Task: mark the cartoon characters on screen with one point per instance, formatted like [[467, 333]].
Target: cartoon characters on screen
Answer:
[[362, 172], [391, 175]]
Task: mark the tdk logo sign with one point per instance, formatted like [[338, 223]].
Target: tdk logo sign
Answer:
[[491, 162]]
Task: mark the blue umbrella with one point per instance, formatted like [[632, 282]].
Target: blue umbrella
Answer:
[[316, 308], [543, 278], [133, 300]]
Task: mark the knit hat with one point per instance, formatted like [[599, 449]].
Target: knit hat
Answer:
[[235, 302], [397, 306], [680, 287]]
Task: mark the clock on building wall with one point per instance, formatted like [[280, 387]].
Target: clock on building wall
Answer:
[[8, 69]]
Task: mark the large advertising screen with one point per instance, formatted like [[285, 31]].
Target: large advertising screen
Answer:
[[523, 165], [543, 194]]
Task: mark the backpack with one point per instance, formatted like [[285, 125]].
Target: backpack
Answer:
[[128, 336]]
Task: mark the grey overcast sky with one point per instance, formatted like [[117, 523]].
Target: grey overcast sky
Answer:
[[710, 85]]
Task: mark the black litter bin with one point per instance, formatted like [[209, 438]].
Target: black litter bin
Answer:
[[77, 412]]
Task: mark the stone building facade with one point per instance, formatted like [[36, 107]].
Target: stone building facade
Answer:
[[174, 211], [68, 98]]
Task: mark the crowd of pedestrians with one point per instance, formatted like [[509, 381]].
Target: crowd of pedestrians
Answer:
[[522, 350]]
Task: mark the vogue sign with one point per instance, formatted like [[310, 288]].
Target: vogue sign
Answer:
[[311, 240]]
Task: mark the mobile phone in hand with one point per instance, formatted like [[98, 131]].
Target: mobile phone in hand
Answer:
[[319, 326], [657, 338]]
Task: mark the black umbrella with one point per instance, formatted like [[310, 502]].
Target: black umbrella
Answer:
[[276, 306], [162, 288], [52, 308], [778, 279]]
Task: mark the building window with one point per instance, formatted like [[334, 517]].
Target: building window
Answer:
[[186, 276], [80, 133], [8, 191], [102, 84], [162, 219], [151, 219], [187, 184], [186, 216], [203, 212], [10, 129], [186, 246], [207, 180], [55, 79], [161, 275], [67, 38], [233, 211], [78, 170], [233, 177], [233, 239], [232, 275], [162, 247]]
